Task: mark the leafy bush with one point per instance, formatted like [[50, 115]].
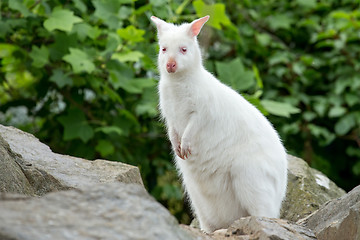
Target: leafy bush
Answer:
[[308, 55], [81, 76]]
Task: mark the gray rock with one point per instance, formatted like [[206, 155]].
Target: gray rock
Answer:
[[307, 190], [257, 228], [197, 233], [104, 211], [337, 219], [269, 228], [12, 178], [46, 171]]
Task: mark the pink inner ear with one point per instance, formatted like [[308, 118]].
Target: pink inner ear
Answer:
[[197, 25]]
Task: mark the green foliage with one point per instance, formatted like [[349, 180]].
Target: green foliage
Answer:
[[307, 53], [81, 76]]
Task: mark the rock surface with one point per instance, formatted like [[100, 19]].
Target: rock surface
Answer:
[[269, 229], [44, 195], [33, 169], [337, 219], [307, 190], [12, 178], [104, 211], [259, 228]]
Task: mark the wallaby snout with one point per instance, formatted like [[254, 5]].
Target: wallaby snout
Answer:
[[171, 65]]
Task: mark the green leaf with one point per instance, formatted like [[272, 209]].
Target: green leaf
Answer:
[[158, 3], [61, 19], [336, 111], [122, 76], [148, 103], [105, 148], [80, 5], [329, 33], [356, 168], [307, 3], [79, 61], [84, 30], [324, 136], [263, 38], [61, 79], [278, 21], [353, 152], [131, 33], [234, 74], [108, 11], [182, 6], [61, 45], [341, 84], [40, 56], [137, 85], [298, 68], [6, 50], [309, 116], [320, 106], [110, 129], [341, 14], [259, 81], [119, 73], [279, 57], [76, 126], [18, 5], [345, 124], [133, 56], [279, 109], [351, 99], [4, 28], [216, 12]]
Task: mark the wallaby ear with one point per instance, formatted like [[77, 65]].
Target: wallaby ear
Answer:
[[197, 24], [161, 25]]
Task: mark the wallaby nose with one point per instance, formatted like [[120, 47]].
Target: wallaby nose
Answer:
[[171, 66]]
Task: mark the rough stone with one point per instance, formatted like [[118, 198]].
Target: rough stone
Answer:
[[337, 219], [12, 177], [257, 228], [96, 205], [307, 190], [104, 211], [46, 171], [269, 229], [197, 233]]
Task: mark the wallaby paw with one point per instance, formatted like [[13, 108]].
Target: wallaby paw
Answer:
[[185, 150], [178, 150]]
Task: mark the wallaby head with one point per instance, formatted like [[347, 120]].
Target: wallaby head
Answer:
[[179, 50]]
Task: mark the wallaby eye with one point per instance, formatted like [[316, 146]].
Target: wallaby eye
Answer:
[[163, 49], [183, 50]]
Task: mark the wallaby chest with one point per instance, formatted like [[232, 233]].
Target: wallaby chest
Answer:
[[177, 102]]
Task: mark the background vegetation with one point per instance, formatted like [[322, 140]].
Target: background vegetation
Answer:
[[81, 76]]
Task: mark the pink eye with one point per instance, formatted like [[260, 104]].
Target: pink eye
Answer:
[[163, 49], [183, 50]]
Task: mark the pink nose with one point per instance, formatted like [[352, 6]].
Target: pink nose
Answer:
[[171, 66]]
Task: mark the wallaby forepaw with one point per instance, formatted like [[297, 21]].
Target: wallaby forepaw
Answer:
[[185, 150]]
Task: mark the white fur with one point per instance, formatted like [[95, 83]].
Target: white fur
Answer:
[[236, 164]]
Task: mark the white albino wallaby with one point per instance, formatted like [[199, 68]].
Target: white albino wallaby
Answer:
[[229, 156]]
